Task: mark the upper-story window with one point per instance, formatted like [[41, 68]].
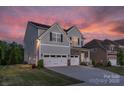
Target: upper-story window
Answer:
[[78, 41], [57, 37], [82, 43], [75, 41], [111, 48]]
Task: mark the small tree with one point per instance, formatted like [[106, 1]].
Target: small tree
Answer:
[[120, 57], [40, 64], [11, 53], [93, 62]]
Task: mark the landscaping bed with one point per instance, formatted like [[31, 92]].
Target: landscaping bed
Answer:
[[118, 70]]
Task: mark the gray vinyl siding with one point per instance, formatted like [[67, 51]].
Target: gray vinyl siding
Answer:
[[41, 31], [75, 32], [29, 43], [55, 49]]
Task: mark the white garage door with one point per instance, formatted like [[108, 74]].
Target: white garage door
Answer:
[[55, 60], [113, 62], [74, 60]]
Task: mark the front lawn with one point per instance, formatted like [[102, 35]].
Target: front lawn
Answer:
[[118, 70], [20, 75]]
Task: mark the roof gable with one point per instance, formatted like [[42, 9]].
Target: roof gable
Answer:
[[74, 28], [47, 28], [54, 26]]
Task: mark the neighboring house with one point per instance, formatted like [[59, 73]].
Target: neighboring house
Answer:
[[53, 44], [103, 51], [120, 43]]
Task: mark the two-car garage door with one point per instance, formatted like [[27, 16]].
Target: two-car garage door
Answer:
[[59, 60]]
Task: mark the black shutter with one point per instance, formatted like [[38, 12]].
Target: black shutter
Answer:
[[50, 36], [61, 38], [78, 41]]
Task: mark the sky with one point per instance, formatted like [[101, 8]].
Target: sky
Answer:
[[93, 22]]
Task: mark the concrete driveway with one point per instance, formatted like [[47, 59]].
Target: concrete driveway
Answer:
[[91, 75]]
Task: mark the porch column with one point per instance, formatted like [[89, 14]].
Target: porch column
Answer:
[[89, 54]]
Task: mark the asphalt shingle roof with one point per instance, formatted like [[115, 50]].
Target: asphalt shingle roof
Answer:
[[121, 41], [40, 25], [99, 43]]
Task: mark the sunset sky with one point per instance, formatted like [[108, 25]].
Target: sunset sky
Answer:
[[93, 22]]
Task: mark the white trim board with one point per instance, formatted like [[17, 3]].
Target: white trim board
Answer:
[[54, 45]]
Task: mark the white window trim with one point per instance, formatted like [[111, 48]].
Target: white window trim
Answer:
[[74, 41], [56, 35]]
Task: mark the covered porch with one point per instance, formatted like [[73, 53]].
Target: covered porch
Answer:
[[84, 54]]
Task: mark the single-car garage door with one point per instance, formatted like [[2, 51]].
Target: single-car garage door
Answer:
[[55, 60], [113, 62], [74, 60]]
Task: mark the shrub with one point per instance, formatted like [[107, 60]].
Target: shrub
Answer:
[[40, 64], [108, 63], [93, 62], [99, 64], [120, 57], [83, 63]]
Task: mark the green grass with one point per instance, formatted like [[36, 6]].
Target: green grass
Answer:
[[118, 70], [23, 75]]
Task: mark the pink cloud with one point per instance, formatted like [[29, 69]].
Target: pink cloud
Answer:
[[14, 20]]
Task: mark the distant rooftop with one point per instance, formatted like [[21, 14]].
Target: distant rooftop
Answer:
[[99, 43], [121, 41]]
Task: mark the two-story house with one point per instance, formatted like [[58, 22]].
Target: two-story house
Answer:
[[53, 44], [103, 51]]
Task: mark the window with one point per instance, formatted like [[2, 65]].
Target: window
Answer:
[[74, 41], [58, 56], [86, 54], [52, 55], [56, 37], [82, 43], [111, 48], [64, 56], [46, 55], [78, 41], [50, 36], [61, 37]]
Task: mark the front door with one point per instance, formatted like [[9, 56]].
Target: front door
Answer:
[[82, 57]]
